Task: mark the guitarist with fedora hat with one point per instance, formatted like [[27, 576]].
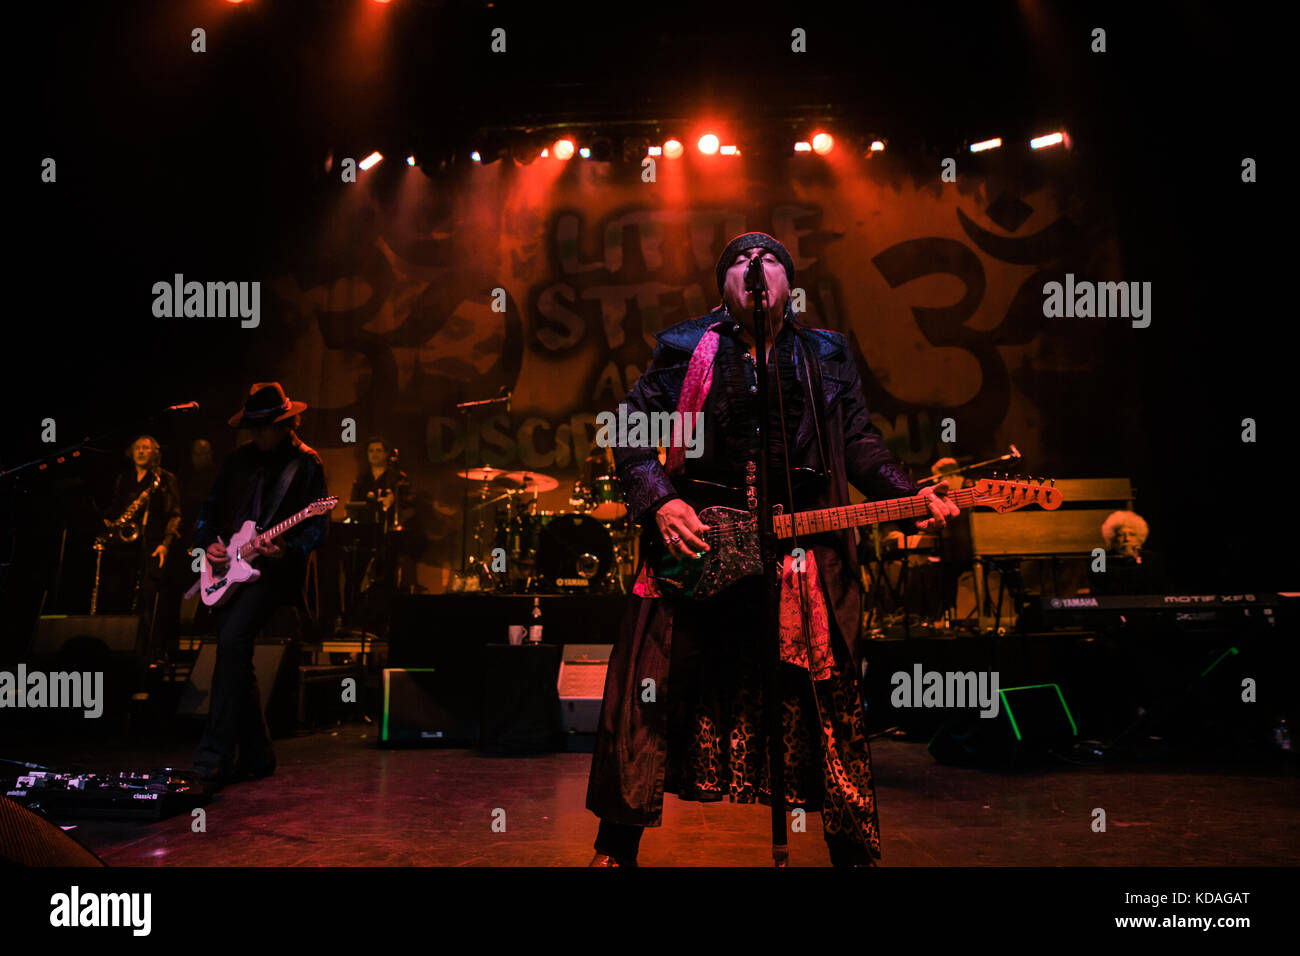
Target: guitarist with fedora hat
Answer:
[[264, 480]]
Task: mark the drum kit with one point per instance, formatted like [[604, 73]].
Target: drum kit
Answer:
[[518, 547]]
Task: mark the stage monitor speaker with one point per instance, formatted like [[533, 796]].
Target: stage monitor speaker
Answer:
[[107, 644], [582, 685], [27, 839], [87, 642], [271, 664], [1031, 722], [416, 710]]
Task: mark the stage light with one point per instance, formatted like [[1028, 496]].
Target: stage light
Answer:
[[1051, 139], [822, 143], [728, 151], [585, 153], [475, 156], [985, 144], [877, 146], [372, 160], [708, 144], [655, 151], [803, 147], [673, 149], [544, 153], [564, 149], [410, 160]]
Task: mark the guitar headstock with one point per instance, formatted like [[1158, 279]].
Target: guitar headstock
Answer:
[[323, 506], [1005, 494]]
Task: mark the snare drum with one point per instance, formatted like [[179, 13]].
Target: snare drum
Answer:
[[607, 499]]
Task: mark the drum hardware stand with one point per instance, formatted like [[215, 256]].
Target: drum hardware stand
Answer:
[[878, 566], [466, 408]]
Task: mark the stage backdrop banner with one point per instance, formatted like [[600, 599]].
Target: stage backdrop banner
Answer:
[[548, 281]]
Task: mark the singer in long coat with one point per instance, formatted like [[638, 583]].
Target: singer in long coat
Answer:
[[682, 709]]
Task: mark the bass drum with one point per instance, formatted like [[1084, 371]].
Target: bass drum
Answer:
[[574, 552]]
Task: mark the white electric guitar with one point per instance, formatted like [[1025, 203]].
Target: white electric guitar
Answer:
[[241, 552]]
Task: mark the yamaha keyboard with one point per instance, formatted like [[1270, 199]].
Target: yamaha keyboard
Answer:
[[1088, 611]]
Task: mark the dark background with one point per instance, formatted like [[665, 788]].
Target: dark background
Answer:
[[168, 158]]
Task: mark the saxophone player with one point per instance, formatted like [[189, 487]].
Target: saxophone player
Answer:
[[141, 526]]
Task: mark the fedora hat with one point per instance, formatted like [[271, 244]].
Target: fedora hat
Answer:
[[266, 404]]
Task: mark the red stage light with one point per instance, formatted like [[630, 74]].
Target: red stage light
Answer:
[[563, 149], [708, 144], [371, 160], [822, 144], [673, 149]]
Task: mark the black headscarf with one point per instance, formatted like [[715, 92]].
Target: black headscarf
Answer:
[[751, 240]]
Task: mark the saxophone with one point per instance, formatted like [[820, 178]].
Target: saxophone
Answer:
[[125, 527]]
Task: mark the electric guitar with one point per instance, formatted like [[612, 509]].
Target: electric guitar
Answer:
[[733, 538], [214, 589]]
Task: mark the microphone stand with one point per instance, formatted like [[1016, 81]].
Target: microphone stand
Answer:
[[756, 283], [1014, 453]]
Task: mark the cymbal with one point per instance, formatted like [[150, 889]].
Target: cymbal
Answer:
[[481, 474], [529, 481]]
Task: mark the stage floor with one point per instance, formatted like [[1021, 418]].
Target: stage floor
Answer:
[[339, 800]]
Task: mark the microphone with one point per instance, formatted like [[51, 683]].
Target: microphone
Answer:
[[186, 407], [755, 279]]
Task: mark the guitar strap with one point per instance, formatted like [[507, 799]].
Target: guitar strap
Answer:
[[281, 487]]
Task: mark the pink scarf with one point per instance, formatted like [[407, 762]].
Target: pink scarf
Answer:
[[813, 655]]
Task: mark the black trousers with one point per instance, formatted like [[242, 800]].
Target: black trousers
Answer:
[[235, 718]]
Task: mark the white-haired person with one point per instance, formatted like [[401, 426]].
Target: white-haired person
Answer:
[[1130, 567]]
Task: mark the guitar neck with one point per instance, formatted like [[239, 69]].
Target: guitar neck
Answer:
[[867, 513], [273, 532]]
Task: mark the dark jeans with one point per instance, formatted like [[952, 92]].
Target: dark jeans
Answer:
[[235, 718], [622, 842]]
